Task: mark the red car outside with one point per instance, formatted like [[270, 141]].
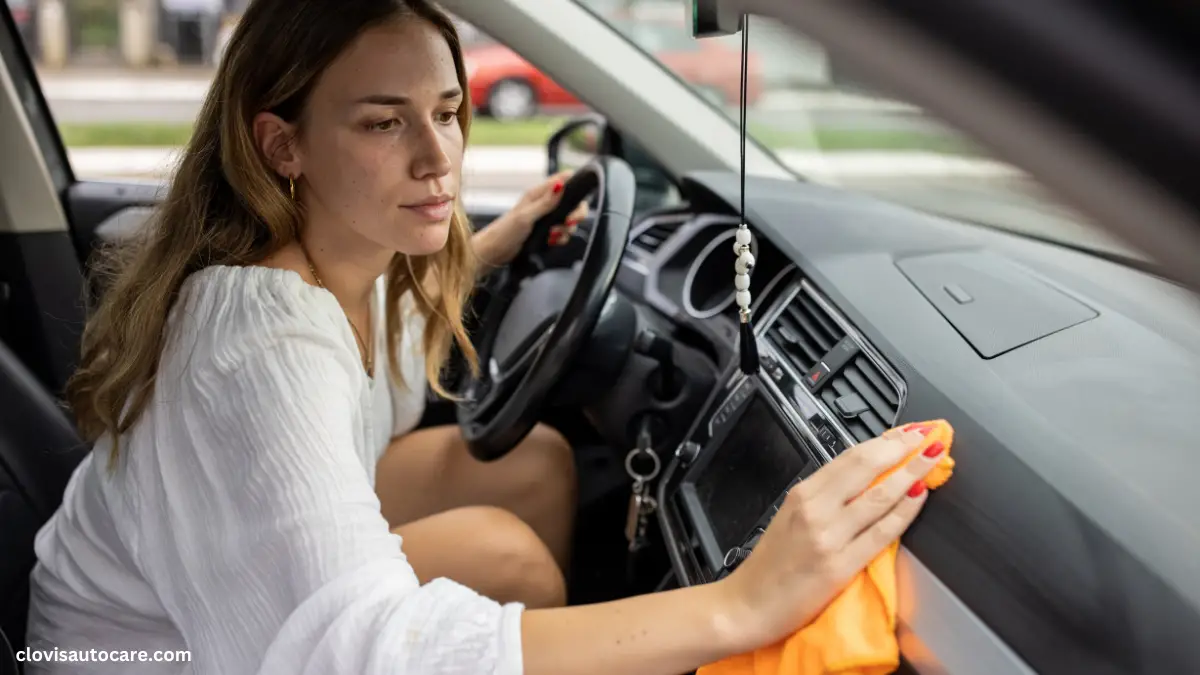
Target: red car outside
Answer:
[[506, 86], [22, 13]]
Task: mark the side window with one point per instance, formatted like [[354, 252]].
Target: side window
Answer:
[[124, 88]]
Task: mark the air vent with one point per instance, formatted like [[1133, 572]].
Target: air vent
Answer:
[[861, 388], [805, 332], [835, 367], [651, 238]]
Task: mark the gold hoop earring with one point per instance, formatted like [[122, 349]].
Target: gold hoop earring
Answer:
[[292, 187]]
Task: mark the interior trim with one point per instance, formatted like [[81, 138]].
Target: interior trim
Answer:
[[124, 224], [28, 199], [940, 635], [686, 232], [642, 255], [690, 279], [770, 287]]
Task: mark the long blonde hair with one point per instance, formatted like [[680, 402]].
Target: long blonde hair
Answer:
[[226, 206]]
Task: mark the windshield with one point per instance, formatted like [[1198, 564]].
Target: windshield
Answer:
[[830, 127]]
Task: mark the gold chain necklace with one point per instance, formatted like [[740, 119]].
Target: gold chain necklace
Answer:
[[368, 353]]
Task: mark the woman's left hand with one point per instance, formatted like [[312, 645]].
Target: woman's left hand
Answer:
[[510, 231]]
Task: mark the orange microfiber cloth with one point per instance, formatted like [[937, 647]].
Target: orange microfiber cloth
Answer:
[[856, 633]]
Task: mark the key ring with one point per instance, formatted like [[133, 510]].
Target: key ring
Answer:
[[654, 461]]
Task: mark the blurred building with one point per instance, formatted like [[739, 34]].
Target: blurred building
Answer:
[[147, 33], [129, 33]]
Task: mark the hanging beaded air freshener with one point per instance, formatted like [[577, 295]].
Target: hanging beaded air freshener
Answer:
[[744, 263]]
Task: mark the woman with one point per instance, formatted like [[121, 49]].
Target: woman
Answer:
[[311, 246]]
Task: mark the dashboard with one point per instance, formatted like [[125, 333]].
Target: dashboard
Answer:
[[821, 388], [1068, 540]]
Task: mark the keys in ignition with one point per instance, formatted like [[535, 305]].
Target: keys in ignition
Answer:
[[641, 503]]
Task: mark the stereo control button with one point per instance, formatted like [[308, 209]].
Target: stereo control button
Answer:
[[687, 452], [826, 436]]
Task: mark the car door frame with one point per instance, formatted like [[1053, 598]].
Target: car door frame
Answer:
[[41, 285]]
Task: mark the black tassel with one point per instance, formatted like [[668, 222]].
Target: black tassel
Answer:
[[749, 349]]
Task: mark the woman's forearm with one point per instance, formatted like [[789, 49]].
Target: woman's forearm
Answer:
[[492, 246], [660, 634], [480, 242]]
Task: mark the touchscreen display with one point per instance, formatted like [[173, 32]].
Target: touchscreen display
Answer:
[[744, 476]]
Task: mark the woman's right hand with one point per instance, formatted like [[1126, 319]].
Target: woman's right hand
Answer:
[[827, 530]]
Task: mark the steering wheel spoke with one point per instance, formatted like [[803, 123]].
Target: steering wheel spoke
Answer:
[[486, 400], [501, 376]]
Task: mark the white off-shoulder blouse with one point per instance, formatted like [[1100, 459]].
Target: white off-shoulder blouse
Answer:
[[241, 524]]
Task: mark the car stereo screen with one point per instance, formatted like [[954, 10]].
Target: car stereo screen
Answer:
[[744, 476]]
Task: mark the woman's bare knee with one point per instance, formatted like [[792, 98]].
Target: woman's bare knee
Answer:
[[489, 550], [525, 567], [550, 459], [540, 477], [544, 488]]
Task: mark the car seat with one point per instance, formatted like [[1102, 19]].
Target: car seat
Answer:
[[39, 448]]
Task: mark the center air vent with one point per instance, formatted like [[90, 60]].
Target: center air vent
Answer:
[[805, 332], [835, 367], [653, 236]]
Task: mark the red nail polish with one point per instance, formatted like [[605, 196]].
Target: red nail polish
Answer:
[[917, 489], [925, 429], [935, 448], [558, 186], [553, 238]]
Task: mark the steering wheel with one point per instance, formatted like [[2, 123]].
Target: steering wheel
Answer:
[[539, 319]]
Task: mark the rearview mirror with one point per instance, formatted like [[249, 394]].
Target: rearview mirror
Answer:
[[575, 143], [712, 18]]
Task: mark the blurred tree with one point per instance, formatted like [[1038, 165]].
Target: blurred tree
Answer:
[[94, 25]]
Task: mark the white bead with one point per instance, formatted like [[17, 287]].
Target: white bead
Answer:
[[743, 236], [743, 299], [737, 248], [745, 263], [741, 282]]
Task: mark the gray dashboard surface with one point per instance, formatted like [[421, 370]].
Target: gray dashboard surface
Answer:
[[1072, 525], [995, 305]]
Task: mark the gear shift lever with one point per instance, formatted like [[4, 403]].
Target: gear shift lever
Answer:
[[650, 343]]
